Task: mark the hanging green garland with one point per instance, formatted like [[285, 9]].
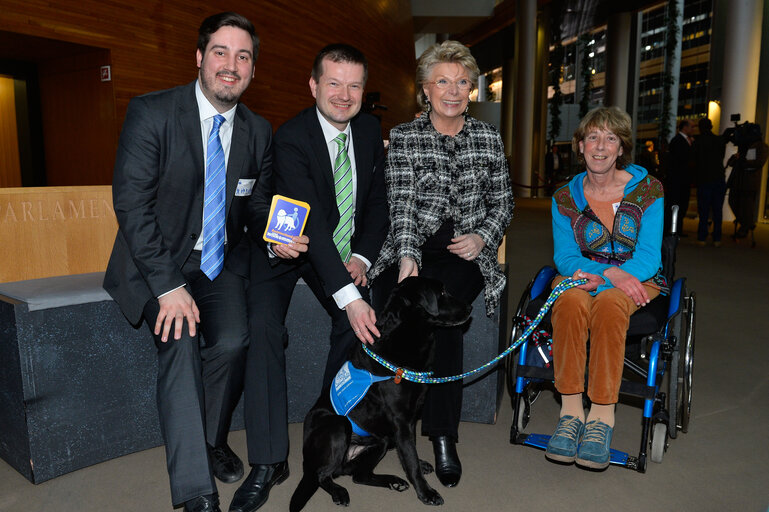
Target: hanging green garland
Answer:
[[586, 75], [556, 72]]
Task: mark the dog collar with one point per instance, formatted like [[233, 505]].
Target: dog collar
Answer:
[[348, 389]]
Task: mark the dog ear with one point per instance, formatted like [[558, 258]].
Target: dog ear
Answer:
[[391, 316], [428, 302]]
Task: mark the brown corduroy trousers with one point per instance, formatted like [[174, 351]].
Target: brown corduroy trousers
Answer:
[[606, 318]]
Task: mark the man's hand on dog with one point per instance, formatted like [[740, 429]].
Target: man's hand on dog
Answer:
[[408, 267], [363, 320], [297, 246], [357, 270]]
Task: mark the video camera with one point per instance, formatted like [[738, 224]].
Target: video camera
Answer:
[[742, 135]]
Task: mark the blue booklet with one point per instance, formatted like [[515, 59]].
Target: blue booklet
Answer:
[[287, 218]]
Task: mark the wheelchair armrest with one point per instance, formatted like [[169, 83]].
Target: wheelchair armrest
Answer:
[[676, 298], [541, 281]]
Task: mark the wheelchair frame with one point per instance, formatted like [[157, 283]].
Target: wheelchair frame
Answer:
[[671, 347]]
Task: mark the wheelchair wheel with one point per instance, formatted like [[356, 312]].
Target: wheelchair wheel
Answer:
[[658, 442], [671, 376], [524, 413], [519, 326], [686, 375]]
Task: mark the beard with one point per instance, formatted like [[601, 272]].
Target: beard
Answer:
[[223, 95]]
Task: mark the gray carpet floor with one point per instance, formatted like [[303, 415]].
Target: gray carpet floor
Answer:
[[719, 465]]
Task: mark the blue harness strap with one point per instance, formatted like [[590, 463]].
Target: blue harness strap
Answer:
[[348, 389]]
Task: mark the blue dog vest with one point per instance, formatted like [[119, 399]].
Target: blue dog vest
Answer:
[[348, 389]]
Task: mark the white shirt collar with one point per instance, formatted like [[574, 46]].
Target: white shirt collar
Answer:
[[207, 110], [331, 132]]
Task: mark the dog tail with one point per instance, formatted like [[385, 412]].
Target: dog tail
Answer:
[[304, 491]]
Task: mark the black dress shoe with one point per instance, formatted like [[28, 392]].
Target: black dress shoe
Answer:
[[447, 465], [255, 490], [226, 465], [208, 503]]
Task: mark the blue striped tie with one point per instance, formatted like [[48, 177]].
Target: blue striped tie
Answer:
[[212, 259], [343, 191]]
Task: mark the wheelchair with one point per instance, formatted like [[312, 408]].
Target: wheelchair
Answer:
[[659, 362]]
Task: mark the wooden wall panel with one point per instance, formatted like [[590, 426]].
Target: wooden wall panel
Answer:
[[152, 46], [76, 107], [55, 231], [10, 170]]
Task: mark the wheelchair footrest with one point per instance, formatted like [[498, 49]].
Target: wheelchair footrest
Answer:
[[540, 441]]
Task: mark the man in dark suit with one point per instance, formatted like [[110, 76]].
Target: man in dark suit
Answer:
[[678, 177], [192, 170], [331, 157]]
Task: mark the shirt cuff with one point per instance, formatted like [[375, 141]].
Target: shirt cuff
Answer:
[[345, 295], [169, 291], [363, 259]]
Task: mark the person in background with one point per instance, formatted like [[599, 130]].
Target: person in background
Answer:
[[450, 204], [607, 228], [649, 159], [745, 178], [709, 152], [678, 173]]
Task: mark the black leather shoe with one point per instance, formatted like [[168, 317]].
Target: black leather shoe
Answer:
[[255, 490], [208, 503], [447, 465], [226, 465]]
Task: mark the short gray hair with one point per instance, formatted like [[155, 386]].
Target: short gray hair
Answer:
[[439, 53]]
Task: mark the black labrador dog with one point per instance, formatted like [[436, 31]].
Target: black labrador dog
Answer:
[[386, 416]]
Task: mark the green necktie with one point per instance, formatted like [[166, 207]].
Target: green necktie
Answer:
[[343, 190]]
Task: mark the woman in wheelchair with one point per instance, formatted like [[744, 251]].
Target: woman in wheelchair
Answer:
[[607, 228]]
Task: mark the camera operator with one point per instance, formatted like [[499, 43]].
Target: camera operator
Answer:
[[743, 182]]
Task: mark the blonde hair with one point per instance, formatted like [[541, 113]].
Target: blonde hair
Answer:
[[445, 52], [613, 119]]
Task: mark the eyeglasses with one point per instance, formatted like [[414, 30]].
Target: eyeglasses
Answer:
[[463, 84]]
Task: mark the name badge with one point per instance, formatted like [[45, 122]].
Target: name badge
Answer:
[[245, 187]]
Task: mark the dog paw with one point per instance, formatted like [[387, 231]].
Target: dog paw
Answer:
[[398, 484], [431, 497], [341, 497], [425, 467]]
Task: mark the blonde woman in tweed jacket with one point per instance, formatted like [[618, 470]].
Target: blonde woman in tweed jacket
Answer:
[[450, 203]]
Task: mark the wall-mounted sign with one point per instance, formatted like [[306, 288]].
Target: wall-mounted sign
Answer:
[[106, 73]]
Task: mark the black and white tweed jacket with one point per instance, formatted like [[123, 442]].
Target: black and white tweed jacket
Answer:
[[433, 177]]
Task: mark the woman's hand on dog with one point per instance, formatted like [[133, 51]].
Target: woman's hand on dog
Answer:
[[363, 320], [408, 267], [467, 247], [297, 246]]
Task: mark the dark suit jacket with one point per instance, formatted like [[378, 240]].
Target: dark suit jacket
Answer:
[[303, 171], [679, 162], [157, 192]]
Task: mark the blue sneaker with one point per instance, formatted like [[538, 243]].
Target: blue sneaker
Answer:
[[594, 450], [562, 446]]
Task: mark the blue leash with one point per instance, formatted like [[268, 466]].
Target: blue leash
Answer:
[[425, 377]]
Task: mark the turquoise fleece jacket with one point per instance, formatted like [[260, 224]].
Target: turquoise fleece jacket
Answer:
[[642, 243]]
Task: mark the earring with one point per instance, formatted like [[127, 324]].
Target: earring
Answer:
[[429, 107], [467, 108]]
